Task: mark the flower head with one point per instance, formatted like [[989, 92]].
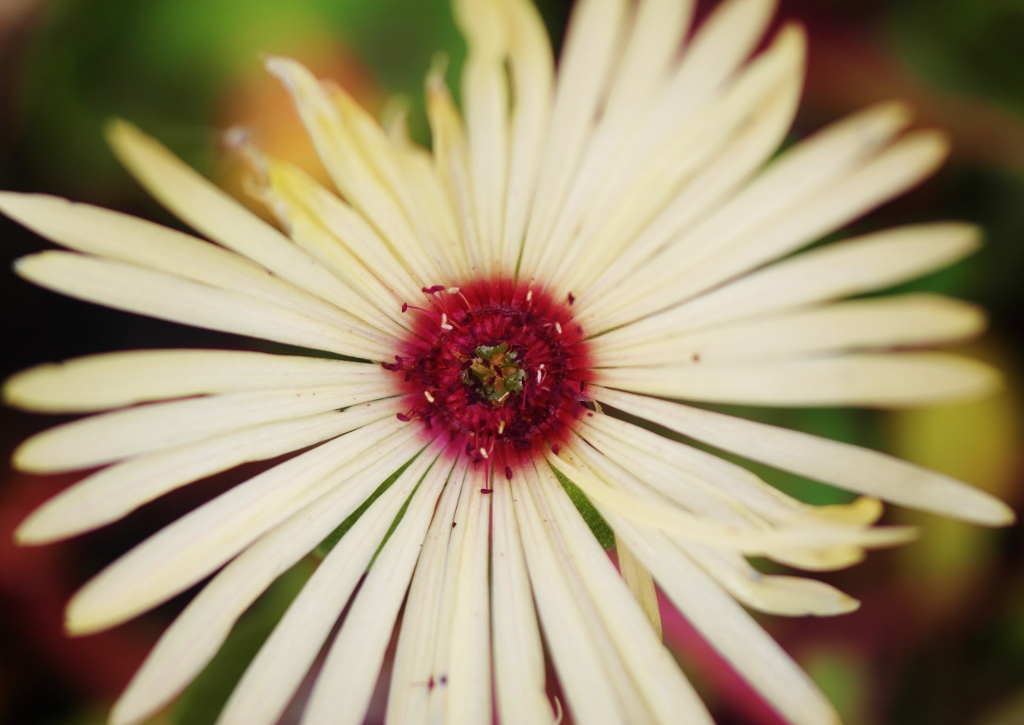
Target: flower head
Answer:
[[515, 313]]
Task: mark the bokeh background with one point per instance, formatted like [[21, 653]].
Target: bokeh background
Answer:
[[939, 639]]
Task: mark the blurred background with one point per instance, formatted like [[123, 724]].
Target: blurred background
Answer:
[[939, 639]]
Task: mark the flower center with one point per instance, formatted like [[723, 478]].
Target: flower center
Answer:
[[499, 368]]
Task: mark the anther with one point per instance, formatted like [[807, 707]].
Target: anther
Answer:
[[483, 452], [428, 396]]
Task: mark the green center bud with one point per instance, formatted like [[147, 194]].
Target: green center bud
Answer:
[[494, 373]]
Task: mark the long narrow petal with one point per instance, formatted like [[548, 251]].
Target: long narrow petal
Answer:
[[114, 380], [531, 68], [198, 544], [878, 380], [667, 694], [841, 464], [485, 96], [343, 688], [128, 432], [104, 233], [854, 266], [145, 292], [350, 170], [271, 679], [732, 631], [194, 637], [582, 671], [904, 321], [519, 679], [206, 208], [413, 676], [118, 490]]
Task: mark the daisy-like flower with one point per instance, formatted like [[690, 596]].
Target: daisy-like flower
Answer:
[[523, 305]]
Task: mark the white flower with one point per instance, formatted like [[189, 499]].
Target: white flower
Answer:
[[600, 242]]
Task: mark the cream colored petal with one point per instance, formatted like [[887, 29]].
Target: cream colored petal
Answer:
[[631, 194], [854, 266], [113, 380], [108, 437], [531, 71], [657, 33], [906, 321], [641, 584], [462, 657], [452, 159], [574, 650], [118, 490], [841, 464], [894, 380], [720, 45], [519, 679], [335, 233], [199, 543], [419, 193], [351, 172], [591, 49], [145, 292], [667, 694], [611, 486], [834, 176], [106, 233], [414, 680], [781, 595], [706, 483], [485, 94], [276, 672], [209, 210], [194, 637], [741, 155], [729, 629], [344, 686]]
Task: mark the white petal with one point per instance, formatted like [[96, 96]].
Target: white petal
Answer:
[[197, 544], [113, 380], [531, 69], [452, 159], [667, 694], [129, 432], [783, 595], [485, 96], [462, 657], [345, 683], [854, 266], [582, 670], [351, 171], [732, 631], [194, 637], [590, 50], [118, 490], [519, 679], [414, 678], [633, 193], [641, 584], [272, 677], [336, 234], [209, 210], [610, 485], [877, 380], [145, 292], [101, 232], [905, 321], [841, 464]]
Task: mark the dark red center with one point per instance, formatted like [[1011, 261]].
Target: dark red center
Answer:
[[498, 367]]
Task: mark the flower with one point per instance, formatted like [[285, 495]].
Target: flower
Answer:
[[581, 252]]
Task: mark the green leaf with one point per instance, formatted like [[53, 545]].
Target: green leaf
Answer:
[[203, 700], [602, 531]]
